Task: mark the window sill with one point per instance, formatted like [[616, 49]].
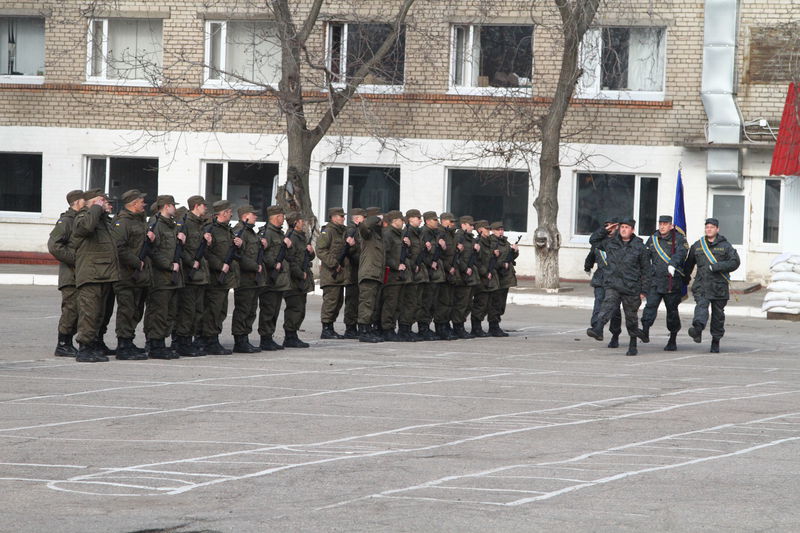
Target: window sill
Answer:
[[17, 216], [768, 248], [640, 96], [228, 86], [579, 239], [500, 92], [365, 88], [118, 83], [21, 80]]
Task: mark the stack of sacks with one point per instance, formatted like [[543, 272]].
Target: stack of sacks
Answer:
[[783, 294]]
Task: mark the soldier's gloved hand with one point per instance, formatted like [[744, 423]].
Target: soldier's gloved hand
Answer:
[[671, 270]]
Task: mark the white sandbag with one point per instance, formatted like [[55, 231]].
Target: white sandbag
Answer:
[[796, 268], [793, 297], [783, 286], [766, 306], [773, 296], [786, 276], [794, 259], [785, 310], [782, 258], [783, 267]]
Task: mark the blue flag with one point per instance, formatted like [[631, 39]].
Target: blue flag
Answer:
[[679, 214]]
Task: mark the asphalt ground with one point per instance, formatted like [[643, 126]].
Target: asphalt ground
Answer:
[[546, 430]]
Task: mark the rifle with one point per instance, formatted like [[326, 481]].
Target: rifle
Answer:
[[510, 255], [307, 254], [493, 260], [404, 249], [177, 256], [231, 255], [200, 253], [351, 233], [260, 256], [144, 251], [274, 273], [471, 260]]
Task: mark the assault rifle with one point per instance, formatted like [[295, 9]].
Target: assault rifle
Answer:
[[307, 255], [510, 255], [351, 233], [147, 247], [274, 273], [262, 233], [231, 255], [177, 256], [200, 253], [493, 259]]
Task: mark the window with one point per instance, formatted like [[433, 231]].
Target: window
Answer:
[[623, 63], [115, 175], [772, 211], [124, 50], [729, 210], [491, 195], [242, 183], [352, 45], [600, 196], [492, 56], [21, 48], [363, 187], [21, 182], [242, 53]]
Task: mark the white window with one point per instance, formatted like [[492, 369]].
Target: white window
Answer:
[[623, 63], [772, 211], [599, 196], [363, 187], [491, 57], [115, 175], [124, 51], [242, 183], [242, 53], [351, 45], [20, 182], [21, 50]]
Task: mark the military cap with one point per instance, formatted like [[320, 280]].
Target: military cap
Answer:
[[496, 225], [373, 211], [466, 219], [393, 214], [665, 218], [428, 215], [131, 195], [165, 199], [244, 209], [196, 200], [92, 193], [335, 211], [628, 221], [274, 210], [180, 212], [74, 196], [293, 216], [357, 211], [612, 220], [713, 221], [481, 224], [221, 205], [413, 213], [447, 216]]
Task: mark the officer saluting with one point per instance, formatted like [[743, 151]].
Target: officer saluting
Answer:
[[715, 259]]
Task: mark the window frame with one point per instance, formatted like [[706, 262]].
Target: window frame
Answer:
[[470, 90], [637, 189], [86, 179], [223, 82], [364, 87], [758, 243], [26, 79], [5, 214], [595, 90], [103, 78], [346, 181], [224, 162]]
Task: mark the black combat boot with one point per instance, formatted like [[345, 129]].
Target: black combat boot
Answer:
[[291, 340], [185, 348], [714, 346], [389, 335], [425, 333], [496, 331], [365, 335], [614, 342], [269, 345], [127, 351], [643, 335], [597, 334], [88, 353], [100, 344], [477, 330], [241, 344], [672, 344], [159, 350], [350, 331], [404, 334], [329, 333], [199, 345], [460, 331], [449, 334], [213, 347], [696, 334], [64, 348], [632, 347]]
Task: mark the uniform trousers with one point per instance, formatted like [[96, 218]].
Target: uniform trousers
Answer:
[[497, 305], [671, 301], [295, 311], [190, 310], [428, 299], [68, 323], [390, 306], [130, 309], [245, 308], [480, 303], [410, 303], [333, 296], [630, 306], [462, 298], [269, 307], [368, 293], [443, 310], [616, 318], [351, 304], [717, 315], [215, 310], [161, 307], [92, 298]]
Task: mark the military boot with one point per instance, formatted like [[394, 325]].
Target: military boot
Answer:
[[269, 345], [404, 334], [425, 333], [389, 335], [213, 347], [496, 331], [350, 331], [185, 348], [672, 344], [64, 348], [632, 347], [365, 335], [199, 345], [291, 340], [714, 346], [241, 344], [477, 330], [88, 353], [596, 334], [614, 342], [159, 350], [127, 351], [644, 334], [329, 333], [449, 334], [460, 331], [696, 334], [100, 344]]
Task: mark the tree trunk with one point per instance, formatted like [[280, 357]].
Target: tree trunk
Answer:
[[294, 195]]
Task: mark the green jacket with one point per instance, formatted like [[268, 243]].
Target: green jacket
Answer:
[[296, 255], [393, 249], [433, 236], [487, 265], [371, 260], [417, 256], [162, 255], [96, 258], [248, 259], [59, 247], [329, 246], [468, 240], [128, 232], [221, 241], [449, 256], [353, 252], [275, 238], [506, 273], [194, 228]]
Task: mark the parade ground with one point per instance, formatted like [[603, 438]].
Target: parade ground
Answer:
[[546, 430]]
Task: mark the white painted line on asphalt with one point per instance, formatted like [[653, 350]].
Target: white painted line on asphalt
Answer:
[[44, 465]]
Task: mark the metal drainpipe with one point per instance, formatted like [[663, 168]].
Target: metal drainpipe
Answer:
[[717, 90]]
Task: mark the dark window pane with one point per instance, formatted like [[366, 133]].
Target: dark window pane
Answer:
[[336, 50], [615, 58], [213, 183], [492, 195], [506, 55], [601, 196], [334, 189], [363, 40], [251, 183], [772, 210], [372, 186], [648, 205], [729, 210], [97, 174], [21, 182], [133, 173]]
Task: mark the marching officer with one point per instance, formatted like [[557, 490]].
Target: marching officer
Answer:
[[432, 239], [715, 259], [252, 280], [300, 256], [371, 263], [668, 249], [58, 246], [443, 308], [487, 270], [334, 276], [506, 277], [278, 281], [598, 257], [466, 260], [416, 278]]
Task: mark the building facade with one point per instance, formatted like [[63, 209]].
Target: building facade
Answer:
[[179, 99]]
